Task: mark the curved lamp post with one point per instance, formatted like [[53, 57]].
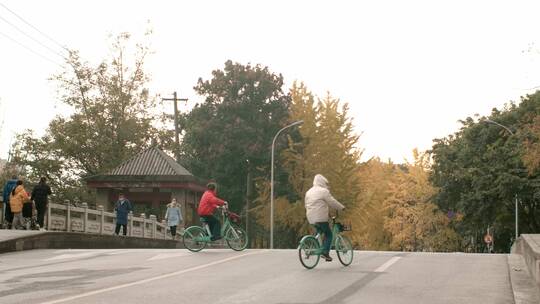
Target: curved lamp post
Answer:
[[498, 124], [272, 182], [516, 203]]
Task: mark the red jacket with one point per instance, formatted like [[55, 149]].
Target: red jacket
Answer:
[[209, 202]]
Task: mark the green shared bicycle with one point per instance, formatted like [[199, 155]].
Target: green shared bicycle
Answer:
[[195, 238], [310, 247]]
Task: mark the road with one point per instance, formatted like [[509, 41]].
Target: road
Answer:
[[252, 276]]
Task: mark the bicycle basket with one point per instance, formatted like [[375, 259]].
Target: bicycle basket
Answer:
[[235, 218], [344, 227]]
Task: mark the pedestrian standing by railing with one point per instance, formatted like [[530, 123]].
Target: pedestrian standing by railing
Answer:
[[39, 196], [173, 216], [8, 215], [16, 200], [122, 208]]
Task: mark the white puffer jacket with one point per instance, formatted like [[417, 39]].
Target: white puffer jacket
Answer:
[[318, 199]]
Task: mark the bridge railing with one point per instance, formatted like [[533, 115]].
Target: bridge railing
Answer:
[[81, 218]]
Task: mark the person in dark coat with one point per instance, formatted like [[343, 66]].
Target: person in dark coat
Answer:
[[122, 208], [39, 196], [10, 185]]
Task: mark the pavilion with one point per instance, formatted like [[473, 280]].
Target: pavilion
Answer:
[[150, 180]]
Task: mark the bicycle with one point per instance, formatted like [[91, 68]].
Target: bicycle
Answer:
[[310, 249], [195, 238]]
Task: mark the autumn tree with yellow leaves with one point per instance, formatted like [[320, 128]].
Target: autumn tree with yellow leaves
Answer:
[[389, 205], [375, 178], [412, 220], [324, 144]]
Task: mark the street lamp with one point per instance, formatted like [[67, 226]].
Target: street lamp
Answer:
[[498, 124], [516, 204], [272, 182]]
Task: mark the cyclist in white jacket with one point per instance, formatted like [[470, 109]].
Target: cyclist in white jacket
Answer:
[[317, 200]]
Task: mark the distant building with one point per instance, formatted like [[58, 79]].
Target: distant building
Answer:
[[150, 180]]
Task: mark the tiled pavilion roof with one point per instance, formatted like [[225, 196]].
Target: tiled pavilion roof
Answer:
[[149, 166], [151, 161]]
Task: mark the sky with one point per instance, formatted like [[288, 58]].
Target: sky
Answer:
[[408, 69]]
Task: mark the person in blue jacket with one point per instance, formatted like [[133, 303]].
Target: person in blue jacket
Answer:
[[7, 214], [122, 208]]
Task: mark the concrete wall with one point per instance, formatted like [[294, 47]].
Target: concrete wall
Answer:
[[528, 245], [73, 240]]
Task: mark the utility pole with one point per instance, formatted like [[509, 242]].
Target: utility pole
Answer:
[[176, 128], [248, 195], [516, 212]]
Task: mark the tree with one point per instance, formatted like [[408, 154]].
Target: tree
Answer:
[[412, 220], [480, 169], [112, 118], [324, 144], [327, 145], [243, 107], [375, 180], [531, 143]]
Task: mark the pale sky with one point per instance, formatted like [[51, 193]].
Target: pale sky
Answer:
[[408, 69]]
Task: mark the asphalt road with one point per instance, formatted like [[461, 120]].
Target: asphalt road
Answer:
[[252, 276]]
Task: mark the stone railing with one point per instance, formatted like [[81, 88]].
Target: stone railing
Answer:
[[66, 217], [83, 219]]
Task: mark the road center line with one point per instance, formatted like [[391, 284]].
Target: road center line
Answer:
[[91, 293], [388, 263]]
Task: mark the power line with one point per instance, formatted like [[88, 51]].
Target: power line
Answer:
[[27, 35], [30, 49], [35, 28]]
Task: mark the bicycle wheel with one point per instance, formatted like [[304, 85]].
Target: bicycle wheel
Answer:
[[308, 252], [193, 238], [236, 238], [344, 250]]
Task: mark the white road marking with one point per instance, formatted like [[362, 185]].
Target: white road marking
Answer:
[[70, 250], [71, 256], [120, 252], [99, 291], [162, 256], [388, 263], [84, 253]]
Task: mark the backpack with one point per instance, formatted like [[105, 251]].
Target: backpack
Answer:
[[8, 189]]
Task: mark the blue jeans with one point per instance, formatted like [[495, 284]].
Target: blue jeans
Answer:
[[324, 229]]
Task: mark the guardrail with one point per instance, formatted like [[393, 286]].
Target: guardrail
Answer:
[[66, 217]]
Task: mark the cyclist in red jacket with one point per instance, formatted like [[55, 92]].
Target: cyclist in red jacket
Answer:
[[208, 204]]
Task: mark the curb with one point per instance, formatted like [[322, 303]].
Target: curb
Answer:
[[76, 240]]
